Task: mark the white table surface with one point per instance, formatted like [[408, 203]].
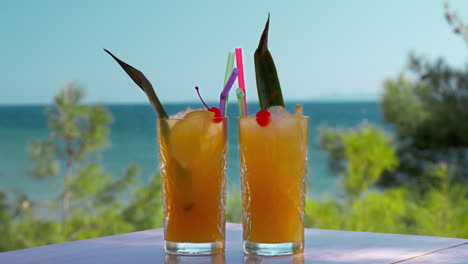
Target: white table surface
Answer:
[[321, 246]]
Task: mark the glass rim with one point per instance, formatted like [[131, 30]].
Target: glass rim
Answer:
[[211, 118], [305, 117]]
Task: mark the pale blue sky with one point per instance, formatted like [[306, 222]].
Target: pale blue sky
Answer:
[[322, 49]]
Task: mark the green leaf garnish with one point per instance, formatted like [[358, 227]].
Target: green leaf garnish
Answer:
[[265, 73], [137, 76], [140, 79]]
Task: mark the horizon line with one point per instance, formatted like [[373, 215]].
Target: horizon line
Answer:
[[191, 102]]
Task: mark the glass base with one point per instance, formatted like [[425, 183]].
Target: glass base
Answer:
[[195, 259], [188, 249], [273, 249]]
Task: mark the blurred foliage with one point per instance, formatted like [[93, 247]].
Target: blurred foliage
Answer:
[[364, 154], [234, 207], [440, 211], [456, 23], [429, 115], [92, 202]]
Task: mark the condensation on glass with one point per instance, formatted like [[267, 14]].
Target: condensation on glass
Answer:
[[192, 155], [273, 167]]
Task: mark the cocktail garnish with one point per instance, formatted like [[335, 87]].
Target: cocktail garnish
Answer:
[[265, 72], [229, 67], [240, 102], [227, 88], [140, 79], [298, 111], [240, 80], [263, 116], [269, 100], [213, 109]]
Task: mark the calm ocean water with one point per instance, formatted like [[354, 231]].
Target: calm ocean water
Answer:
[[133, 141]]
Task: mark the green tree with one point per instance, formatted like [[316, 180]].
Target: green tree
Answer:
[[429, 114], [20, 227], [355, 153], [145, 209], [442, 210], [362, 155], [5, 222], [78, 134]]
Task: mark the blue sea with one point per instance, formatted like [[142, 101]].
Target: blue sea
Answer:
[[133, 141]]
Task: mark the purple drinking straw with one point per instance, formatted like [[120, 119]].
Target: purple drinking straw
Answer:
[[227, 87]]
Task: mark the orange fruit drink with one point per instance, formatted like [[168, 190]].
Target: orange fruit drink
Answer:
[[273, 158], [192, 156], [192, 152]]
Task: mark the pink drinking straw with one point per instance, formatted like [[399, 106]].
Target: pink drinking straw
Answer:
[[224, 93], [240, 80]]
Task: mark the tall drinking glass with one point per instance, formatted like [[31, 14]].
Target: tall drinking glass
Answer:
[[273, 166], [192, 154]]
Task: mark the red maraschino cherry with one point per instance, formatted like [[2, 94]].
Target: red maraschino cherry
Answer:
[[263, 116], [215, 110]]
